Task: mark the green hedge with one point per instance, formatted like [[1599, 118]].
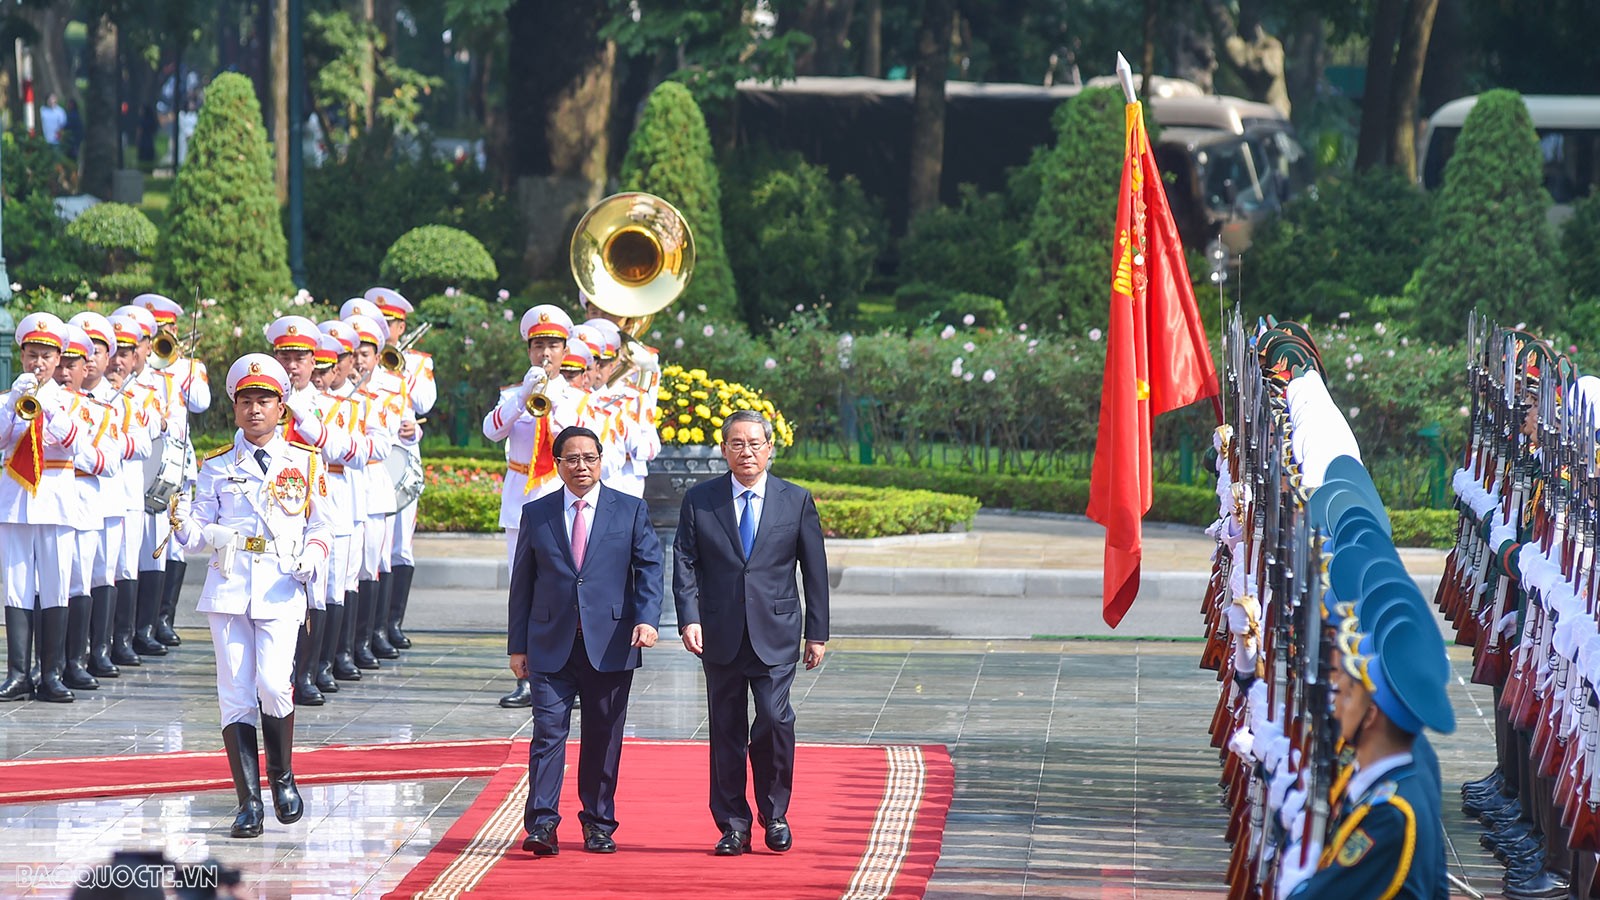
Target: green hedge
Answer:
[[1434, 528], [851, 511], [458, 509]]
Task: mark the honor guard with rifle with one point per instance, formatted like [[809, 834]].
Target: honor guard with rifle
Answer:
[[312, 419], [418, 393], [122, 435], [164, 478], [142, 418], [260, 512], [45, 440], [170, 354], [381, 392]]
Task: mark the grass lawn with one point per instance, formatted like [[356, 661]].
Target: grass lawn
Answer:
[[157, 194]]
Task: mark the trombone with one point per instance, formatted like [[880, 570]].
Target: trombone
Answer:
[[166, 349], [393, 356]]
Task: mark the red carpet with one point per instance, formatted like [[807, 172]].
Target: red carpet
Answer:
[[867, 821], [37, 780]]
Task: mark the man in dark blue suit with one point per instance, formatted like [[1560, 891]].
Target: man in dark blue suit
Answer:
[[739, 539], [585, 597]]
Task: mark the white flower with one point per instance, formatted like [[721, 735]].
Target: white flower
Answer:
[[948, 332], [237, 331], [678, 343], [708, 331], [1032, 344], [799, 307], [1521, 326], [955, 368], [1380, 328], [1094, 334], [209, 301], [969, 346], [449, 292], [94, 295], [968, 319], [680, 315], [770, 363], [503, 294], [1349, 376], [988, 375], [1405, 342], [656, 334], [277, 313], [508, 315], [467, 342], [1389, 353], [701, 307], [1344, 316], [66, 298], [16, 286], [484, 325], [967, 377], [846, 341], [1463, 410], [1349, 362], [1355, 411], [1359, 359], [1023, 327]]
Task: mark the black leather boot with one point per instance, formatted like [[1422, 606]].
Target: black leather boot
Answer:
[[305, 659], [279, 736], [172, 586], [239, 739], [1491, 781], [327, 649], [344, 666], [19, 659], [521, 698], [381, 648], [399, 597], [151, 584], [52, 635], [127, 607], [80, 615], [366, 605], [104, 602]]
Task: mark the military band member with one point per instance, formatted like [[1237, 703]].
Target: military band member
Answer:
[[142, 418], [260, 512], [530, 463], [348, 491], [621, 400], [188, 379], [44, 441], [419, 394]]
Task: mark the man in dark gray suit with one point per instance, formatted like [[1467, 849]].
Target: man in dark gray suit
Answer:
[[739, 539], [581, 608]]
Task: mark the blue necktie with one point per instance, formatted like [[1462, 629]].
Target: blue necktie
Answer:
[[747, 524], [261, 458]]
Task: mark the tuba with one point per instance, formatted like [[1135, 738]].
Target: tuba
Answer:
[[632, 255]]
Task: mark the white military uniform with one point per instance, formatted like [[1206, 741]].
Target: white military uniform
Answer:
[[262, 513], [418, 393]]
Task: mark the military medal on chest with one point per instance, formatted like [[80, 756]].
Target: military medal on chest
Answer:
[[291, 490]]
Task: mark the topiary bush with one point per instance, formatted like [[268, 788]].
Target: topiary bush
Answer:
[[1352, 238], [796, 236], [1580, 244], [970, 247], [669, 155], [224, 235], [431, 258], [113, 240], [1491, 249], [921, 304], [1064, 260]]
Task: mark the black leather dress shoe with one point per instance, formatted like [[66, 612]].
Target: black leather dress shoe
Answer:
[[521, 698], [1493, 779], [778, 837], [597, 841], [1546, 885], [541, 841], [733, 843]]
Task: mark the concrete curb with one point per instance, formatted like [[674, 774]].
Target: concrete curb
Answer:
[[493, 574]]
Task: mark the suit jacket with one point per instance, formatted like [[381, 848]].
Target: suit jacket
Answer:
[[618, 587], [718, 589]]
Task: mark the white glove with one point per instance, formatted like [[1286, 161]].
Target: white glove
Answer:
[[1290, 872], [305, 567], [25, 382], [644, 359], [306, 420], [532, 382]]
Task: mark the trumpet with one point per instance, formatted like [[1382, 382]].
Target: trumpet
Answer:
[[166, 349], [538, 403], [393, 356], [28, 407]]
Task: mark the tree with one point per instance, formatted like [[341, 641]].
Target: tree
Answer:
[[224, 236], [670, 156], [98, 159], [1492, 249], [347, 57], [709, 45], [927, 104], [1254, 54], [1065, 278], [432, 258], [1394, 83]]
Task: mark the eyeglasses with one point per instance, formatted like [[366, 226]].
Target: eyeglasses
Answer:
[[742, 446], [587, 459]]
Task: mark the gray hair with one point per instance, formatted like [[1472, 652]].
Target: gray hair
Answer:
[[748, 415]]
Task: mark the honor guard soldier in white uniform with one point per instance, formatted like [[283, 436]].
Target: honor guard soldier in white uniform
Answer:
[[312, 421], [187, 377], [636, 434], [113, 498], [419, 393], [141, 418], [380, 390], [260, 512], [79, 359], [163, 474], [526, 418], [44, 441]]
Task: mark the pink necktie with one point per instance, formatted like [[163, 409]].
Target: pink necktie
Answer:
[[580, 533]]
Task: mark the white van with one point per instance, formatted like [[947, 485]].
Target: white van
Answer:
[[1569, 135]]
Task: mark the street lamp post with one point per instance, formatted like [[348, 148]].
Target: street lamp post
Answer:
[[297, 176]]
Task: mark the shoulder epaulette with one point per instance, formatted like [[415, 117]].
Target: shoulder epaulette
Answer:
[[1383, 793], [219, 451]]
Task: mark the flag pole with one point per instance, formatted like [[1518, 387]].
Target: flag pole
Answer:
[[1125, 75]]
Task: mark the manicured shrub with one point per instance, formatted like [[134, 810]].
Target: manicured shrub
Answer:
[[796, 236], [1491, 248], [849, 511], [970, 247], [113, 240], [669, 155], [1434, 528], [432, 258]]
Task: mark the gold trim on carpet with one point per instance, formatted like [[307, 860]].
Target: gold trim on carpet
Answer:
[[893, 826]]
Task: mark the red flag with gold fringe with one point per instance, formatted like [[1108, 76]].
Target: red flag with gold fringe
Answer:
[[1157, 360], [26, 463]]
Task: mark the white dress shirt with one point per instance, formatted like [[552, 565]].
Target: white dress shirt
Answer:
[[757, 503], [568, 498]]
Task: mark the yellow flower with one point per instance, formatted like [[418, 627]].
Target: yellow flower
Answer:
[[717, 421], [699, 436], [742, 403], [683, 401], [702, 411], [698, 373], [716, 436], [683, 436], [725, 409], [681, 386], [668, 433], [699, 395], [685, 419]]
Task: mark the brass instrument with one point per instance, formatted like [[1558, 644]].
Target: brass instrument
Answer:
[[28, 407], [393, 356], [538, 403], [166, 349], [632, 255]]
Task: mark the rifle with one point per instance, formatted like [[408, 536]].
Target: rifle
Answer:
[[1491, 663]]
